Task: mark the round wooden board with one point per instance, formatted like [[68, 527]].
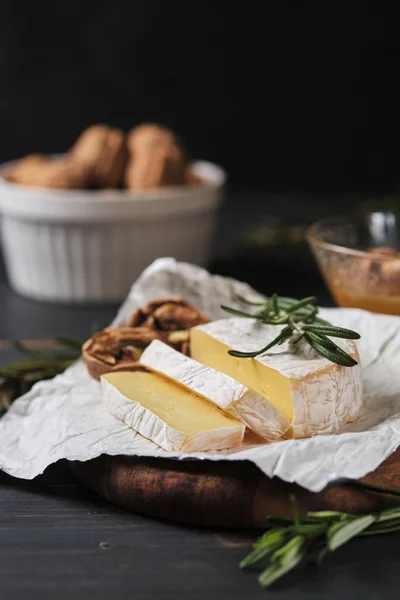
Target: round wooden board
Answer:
[[218, 494]]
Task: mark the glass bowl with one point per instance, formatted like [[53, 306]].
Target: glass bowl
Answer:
[[359, 258]]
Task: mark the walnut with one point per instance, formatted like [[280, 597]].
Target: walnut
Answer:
[[149, 135], [116, 348], [168, 314], [41, 171], [120, 348], [102, 151], [156, 158], [156, 167], [24, 166]]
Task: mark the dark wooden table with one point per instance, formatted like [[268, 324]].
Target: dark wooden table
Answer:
[[59, 541]]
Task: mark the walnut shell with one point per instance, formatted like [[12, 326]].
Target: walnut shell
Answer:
[[156, 158], [149, 135], [24, 166], [168, 314], [41, 171], [119, 348], [102, 151], [156, 167]]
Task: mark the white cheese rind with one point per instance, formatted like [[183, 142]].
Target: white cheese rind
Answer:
[[148, 424], [325, 396], [224, 391], [249, 335], [326, 402]]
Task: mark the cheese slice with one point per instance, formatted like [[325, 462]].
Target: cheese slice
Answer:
[[167, 413], [312, 394], [224, 391]]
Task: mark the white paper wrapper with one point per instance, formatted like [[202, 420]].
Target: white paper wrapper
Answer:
[[64, 417]]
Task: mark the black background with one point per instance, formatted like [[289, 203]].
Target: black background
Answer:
[[285, 95]]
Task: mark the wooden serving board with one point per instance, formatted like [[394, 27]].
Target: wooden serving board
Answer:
[[219, 494]]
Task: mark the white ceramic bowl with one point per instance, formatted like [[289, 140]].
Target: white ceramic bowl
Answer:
[[89, 246]]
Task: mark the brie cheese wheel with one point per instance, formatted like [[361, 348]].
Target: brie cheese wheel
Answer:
[[168, 414], [313, 395], [224, 391]]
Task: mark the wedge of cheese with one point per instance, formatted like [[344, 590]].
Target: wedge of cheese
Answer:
[[311, 393], [168, 414], [224, 391]]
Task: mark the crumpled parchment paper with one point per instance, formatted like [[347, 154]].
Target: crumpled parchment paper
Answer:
[[64, 417]]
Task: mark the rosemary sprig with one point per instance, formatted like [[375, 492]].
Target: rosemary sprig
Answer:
[[17, 377], [290, 540], [300, 320]]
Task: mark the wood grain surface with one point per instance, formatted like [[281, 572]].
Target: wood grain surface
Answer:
[[218, 494]]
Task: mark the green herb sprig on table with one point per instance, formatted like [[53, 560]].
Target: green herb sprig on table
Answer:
[[17, 377], [290, 540], [301, 322]]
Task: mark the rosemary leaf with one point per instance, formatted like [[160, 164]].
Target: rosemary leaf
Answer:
[[69, 342], [266, 545], [275, 320], [250, 302], [332, 331], [323, 531], [300, 317], [340, 533], [51, 355], [382, 530], [388, 514], [305, 317], [288, 549], [325, 352], [296, 510], [283, 560], [33, 353], [387, 524], [285, 334], [285, 302], [329, 350], [17, 368], [17, 377], [373, 488], [328, 515], [301, 304], [20, 347], [335, 348], [239, 313], [309, 528]]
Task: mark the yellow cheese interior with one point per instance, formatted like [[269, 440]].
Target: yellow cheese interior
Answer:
[[264, 380], [178, 407]]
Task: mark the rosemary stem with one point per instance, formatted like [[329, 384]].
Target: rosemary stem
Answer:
[[373, 488], [300, 317]]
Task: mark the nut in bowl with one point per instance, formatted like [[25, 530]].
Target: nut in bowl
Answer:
[[82, 226], [360, 260]]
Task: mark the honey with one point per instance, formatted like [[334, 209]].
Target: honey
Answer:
[[389, 305], [372, 284]]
